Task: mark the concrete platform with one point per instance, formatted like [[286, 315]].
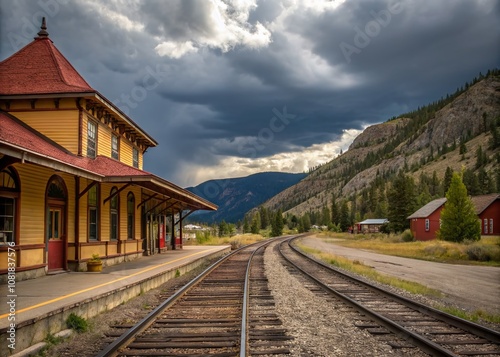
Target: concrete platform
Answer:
[[42, 305]]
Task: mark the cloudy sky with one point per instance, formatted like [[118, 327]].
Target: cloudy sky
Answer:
[[230, 88]]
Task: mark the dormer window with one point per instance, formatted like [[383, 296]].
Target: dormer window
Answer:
[[91, 139]]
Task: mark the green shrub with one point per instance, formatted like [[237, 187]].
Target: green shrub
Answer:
[[407, 236], [202, 236], [77, 323]]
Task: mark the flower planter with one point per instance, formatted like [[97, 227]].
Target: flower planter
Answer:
[[94, 266]]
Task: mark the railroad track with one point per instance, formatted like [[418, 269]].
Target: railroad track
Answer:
[[434, 332], [225, 311]]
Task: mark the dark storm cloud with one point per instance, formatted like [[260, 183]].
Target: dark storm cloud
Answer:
[[229, 93]]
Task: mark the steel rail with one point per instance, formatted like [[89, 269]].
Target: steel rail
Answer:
[[246, 298], [129, 335], [468, 326], [113, 348], [244, 313], [426, 345]]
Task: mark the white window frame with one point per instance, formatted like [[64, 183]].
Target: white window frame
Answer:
[[91, 139], [135, 157], [115, 149]]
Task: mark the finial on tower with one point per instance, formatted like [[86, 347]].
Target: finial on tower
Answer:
[[43, 32]]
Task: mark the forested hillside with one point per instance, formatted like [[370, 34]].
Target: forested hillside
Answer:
[[414, 154]]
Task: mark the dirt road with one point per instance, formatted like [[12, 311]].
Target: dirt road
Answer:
[[470, 287]]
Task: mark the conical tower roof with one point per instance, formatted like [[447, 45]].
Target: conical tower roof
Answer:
[[40, 68]]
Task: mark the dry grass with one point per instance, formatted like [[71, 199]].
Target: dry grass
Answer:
[[484, 252], [235, 241]]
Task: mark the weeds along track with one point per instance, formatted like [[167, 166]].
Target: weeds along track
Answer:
[[399, 321], [224, 311]]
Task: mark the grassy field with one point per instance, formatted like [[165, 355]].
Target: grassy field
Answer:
[[484, 252]]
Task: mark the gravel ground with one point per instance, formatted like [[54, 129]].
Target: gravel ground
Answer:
[[319, 327]]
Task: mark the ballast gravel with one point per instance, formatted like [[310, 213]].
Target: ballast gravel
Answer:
[[318, 325]]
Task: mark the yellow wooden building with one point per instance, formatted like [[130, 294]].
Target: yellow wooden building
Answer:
[[71, 178]]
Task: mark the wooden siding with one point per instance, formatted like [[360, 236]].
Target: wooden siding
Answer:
[[4, 260], [30, 257], [60, 126], [89, 249], [104, 140], [126, 152], [417, 226], [32, 213], [126, 156]]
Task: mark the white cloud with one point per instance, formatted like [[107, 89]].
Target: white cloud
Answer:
[[113, 11], [228, 28], [175, 49], [294, 161]]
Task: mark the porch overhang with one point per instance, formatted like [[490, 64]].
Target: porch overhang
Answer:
[[185, 200]]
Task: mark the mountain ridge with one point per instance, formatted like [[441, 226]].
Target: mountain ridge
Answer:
[[236, 196], [413, 141]]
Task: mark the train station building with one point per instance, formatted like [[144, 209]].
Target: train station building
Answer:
[[72, 183]]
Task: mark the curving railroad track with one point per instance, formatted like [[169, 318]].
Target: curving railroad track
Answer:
[[227, 310], [434, 332]]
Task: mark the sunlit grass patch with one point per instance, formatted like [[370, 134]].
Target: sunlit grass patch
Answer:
[[205, 238], [485, 252], [474, 316], [369, 272]]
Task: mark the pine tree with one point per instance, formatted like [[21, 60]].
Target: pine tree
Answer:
[[326, 217], [463, 148], [255, 228], [458, 218], [471, 182], [305, 222], [344, 217], [447, 179], [402, 201], [335, 211], [277, 224], [264, 217], [246, 225]]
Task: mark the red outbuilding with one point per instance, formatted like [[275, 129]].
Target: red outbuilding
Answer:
[[488, 211], [425, 222]]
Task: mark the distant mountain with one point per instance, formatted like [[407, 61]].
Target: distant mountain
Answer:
[[236, 196]]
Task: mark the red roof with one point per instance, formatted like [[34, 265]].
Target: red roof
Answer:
[[39, 68]]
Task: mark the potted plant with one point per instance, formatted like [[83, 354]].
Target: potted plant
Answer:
[[94, 264]]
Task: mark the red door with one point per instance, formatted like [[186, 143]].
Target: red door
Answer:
[[56, 238]]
